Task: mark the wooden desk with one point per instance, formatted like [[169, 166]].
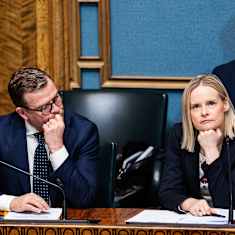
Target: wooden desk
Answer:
[[112, 223], [108, 216]]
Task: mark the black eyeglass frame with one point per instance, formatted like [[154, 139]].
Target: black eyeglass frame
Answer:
[[43, 108]]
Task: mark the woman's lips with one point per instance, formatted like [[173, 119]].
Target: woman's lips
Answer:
[[205, 121]]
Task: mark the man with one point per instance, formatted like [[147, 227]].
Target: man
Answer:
[[226, 73], [71, 143]]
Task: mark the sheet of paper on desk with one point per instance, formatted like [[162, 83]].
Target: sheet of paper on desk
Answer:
[[165, 216], [154, 216], [52, 214]]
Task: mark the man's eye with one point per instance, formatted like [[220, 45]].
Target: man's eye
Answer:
[[46, 107]]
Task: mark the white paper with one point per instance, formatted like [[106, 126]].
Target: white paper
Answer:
[[165, 216], [52, 214]]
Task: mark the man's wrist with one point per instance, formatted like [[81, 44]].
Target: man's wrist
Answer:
[[57, 158], [55, 148]]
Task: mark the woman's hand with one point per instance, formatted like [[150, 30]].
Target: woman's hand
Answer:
[[197, 207], [210, 142]]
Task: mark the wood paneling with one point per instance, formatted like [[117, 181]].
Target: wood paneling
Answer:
[[17, 42], [52, 39], [33, 33]]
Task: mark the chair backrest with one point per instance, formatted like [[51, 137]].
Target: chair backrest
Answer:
[[122, 115]]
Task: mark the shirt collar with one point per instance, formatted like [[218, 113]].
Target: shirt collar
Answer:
[[30, 130]]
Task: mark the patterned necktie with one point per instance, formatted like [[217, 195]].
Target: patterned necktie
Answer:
[[41, 168]]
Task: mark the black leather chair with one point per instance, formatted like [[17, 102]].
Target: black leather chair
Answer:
[[122, 116]]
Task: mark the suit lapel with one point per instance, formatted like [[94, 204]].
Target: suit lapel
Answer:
[[193, 168], [69, 134], [18, 152]]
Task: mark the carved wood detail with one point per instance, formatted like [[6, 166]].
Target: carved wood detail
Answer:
[[103, 230]]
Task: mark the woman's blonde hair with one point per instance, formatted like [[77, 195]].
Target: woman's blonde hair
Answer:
[[189, 133]]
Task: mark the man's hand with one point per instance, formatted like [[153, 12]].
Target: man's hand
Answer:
[[197, 207], [29, 202], [53, 133], [210, 142]]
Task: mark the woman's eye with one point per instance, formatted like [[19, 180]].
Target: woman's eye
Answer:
[[211, 103], [196, 106]]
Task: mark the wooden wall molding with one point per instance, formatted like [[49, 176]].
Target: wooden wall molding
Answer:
[[53, 39], [78, 61], [146, 82]]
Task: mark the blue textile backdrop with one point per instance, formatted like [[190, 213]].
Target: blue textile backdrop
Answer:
[[171, 38]]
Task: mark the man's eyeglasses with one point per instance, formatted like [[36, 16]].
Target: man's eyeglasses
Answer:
[[46, 108]]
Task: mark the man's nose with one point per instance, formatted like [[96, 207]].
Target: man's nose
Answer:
[[55, 109]]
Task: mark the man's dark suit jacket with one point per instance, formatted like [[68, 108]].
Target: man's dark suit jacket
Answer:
[[77, 173], [226, 73], [180, 179]]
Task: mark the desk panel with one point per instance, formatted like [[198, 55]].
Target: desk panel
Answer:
[[112, 223]]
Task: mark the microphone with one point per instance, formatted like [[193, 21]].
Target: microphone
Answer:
[[60, 186], [147, 153], [230, 211]]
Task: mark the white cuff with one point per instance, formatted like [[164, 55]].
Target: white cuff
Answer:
[[58, 157], [5, 201]]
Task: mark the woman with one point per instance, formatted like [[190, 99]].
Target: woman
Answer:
[[195, 175]]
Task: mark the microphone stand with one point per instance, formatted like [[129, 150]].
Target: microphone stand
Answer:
[[230, 211], [60, 184], [64, 208]]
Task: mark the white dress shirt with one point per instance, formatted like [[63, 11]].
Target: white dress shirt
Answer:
[[57, 158]]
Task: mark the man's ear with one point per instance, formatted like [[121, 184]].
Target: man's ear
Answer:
[[22, 113]]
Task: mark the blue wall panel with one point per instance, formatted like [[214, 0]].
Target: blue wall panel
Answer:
[[174, 107], [171, 38], [89, 29], [90, 79]]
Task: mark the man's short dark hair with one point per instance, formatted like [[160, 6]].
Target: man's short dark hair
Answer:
[[26, 80]]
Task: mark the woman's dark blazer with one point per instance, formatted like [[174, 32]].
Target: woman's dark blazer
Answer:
[[180, 179]]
